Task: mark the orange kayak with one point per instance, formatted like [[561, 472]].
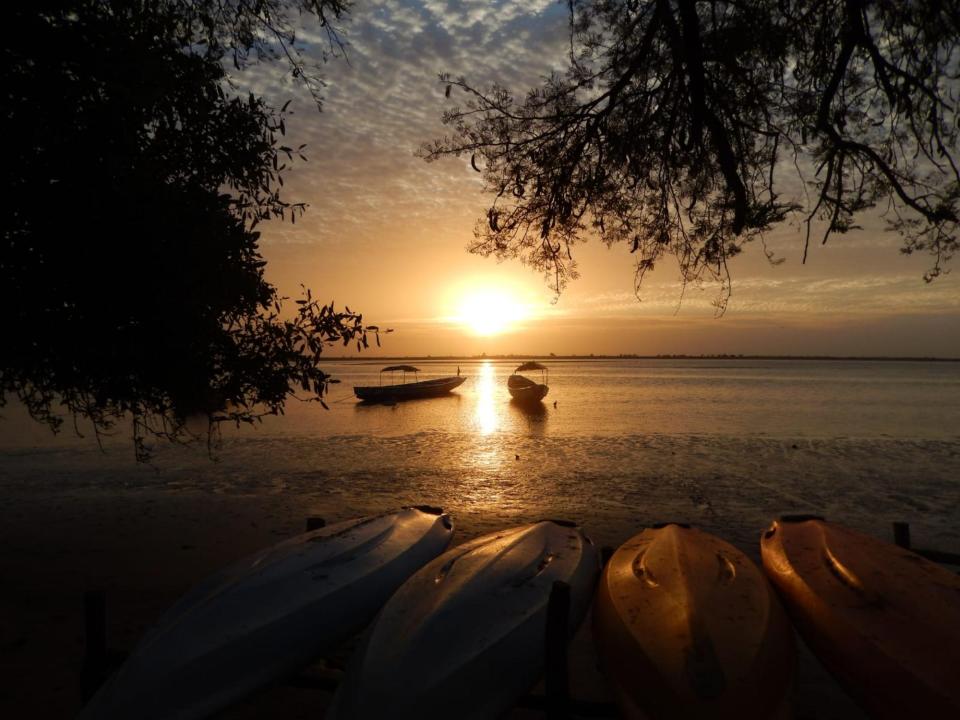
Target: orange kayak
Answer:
[[883, 620], [688, 627]]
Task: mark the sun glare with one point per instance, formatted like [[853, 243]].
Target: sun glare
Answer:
[[491, 312]]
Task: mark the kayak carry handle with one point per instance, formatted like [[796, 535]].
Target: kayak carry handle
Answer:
[[556, 639]]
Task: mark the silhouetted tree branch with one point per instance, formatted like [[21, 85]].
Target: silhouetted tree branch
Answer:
[[245, 31], [131, 280], [690, 128]]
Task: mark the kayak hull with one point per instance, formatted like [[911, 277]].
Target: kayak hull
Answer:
[[268, 615], [883, 620], [686, 626], [466, 633]]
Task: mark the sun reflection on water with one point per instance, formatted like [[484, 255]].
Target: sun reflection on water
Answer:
[[481, 488], [486, 413]]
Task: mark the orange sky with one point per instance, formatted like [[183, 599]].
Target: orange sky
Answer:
[[386, 232]]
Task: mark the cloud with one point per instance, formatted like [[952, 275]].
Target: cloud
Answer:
[[385, 100], [902, 293]]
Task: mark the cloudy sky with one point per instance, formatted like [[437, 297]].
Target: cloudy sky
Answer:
[[386, 233]]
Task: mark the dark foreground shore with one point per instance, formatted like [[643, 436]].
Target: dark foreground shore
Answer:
[[143, 549]]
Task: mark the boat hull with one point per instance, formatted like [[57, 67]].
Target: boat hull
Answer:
[[269, 614], [883, 620], [529, 394], [465, 635], [408, 391], [525, 390], [687, 626]]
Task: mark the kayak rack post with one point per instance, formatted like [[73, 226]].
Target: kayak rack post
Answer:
[[556, 680], [606, 552], [94, 668], [100, 661], [315, 523], [901, 537], [901, 534]]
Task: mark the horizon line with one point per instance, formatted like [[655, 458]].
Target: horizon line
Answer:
[[632, 356]]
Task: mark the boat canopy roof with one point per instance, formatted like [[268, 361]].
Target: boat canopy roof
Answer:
[[531, 366], [404, 368]]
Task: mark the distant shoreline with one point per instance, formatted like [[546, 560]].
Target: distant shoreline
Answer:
[[527, 356]]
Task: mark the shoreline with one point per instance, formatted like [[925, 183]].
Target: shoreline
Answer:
[[371, 359]]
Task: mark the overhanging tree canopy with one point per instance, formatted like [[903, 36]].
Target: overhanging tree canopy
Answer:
[[678, 125], [131, 282]]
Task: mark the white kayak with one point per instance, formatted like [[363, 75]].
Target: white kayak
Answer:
[[270, 614], [464, 637]]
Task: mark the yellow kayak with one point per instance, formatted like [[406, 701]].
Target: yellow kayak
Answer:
[[883, 620], [688, 627]]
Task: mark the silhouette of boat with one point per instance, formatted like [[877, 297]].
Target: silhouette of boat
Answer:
[[406, 390], [523, 389]]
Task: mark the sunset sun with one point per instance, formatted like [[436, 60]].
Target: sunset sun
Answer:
[[490, 311]]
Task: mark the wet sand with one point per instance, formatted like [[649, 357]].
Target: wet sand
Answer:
[[143, 549]]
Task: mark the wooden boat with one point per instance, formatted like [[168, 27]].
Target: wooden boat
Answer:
[[407, 390], [464, 637], [525, 390], [686, 626], [883, 620], [269, 614]]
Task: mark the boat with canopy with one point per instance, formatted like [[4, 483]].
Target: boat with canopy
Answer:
[[523, 389], [406, 390]]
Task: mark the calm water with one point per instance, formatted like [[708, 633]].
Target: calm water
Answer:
[[726, 445], [809, 399]]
